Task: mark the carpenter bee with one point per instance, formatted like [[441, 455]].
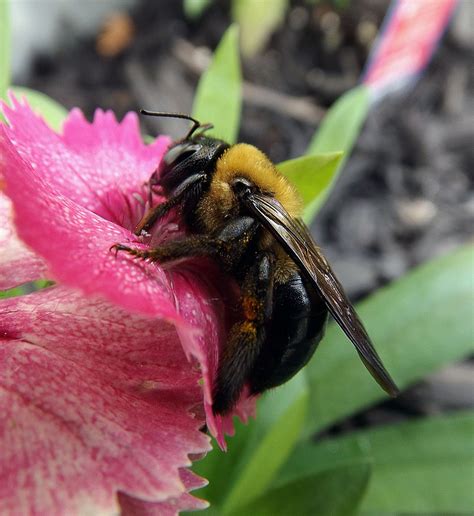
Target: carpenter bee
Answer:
[[242, 212]]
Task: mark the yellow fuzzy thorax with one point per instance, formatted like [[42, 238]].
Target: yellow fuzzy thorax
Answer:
[[244, 160]]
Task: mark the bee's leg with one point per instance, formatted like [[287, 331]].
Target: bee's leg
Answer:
[[153, 214], [228, 245], [191, 186], [198, 245], [246, 338]]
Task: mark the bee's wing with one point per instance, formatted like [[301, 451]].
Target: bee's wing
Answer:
[[297, 241]]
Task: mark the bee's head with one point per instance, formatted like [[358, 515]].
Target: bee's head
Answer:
[[194, 154]]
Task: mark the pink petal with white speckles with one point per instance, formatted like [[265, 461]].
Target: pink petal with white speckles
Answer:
[[17, 263], [186, 502], [95, 401], [76, 242], [89, 161]]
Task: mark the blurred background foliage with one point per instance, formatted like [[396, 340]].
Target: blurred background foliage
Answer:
[[328, 442]]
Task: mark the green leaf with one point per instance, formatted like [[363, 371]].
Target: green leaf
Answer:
[[424, 466], [257, 450], [337, 133], [26, 288], [4, 48], [418, 324], [257, 21], [219, 94], [311, 175], [334, 492], [194, 8], [53, 113], [341, 125]]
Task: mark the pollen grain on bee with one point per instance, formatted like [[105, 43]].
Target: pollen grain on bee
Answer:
[[250, 306], [248, 327]]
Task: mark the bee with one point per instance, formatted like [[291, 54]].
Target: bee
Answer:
[[240, 211]]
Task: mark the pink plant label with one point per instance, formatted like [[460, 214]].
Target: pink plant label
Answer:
[[406, 42]]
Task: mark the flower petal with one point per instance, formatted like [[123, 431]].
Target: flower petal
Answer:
[[76, 242], [88, 161], [134, 507], [17, 263], [94, 400]]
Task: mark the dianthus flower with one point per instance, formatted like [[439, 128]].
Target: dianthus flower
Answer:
[[106, 377]]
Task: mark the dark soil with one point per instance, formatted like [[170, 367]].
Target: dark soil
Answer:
[[406, 194]]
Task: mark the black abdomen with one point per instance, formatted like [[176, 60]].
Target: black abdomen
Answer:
[[297, 325]]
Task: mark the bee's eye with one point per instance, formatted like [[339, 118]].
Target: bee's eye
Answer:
[[179, 153], [178, 164]]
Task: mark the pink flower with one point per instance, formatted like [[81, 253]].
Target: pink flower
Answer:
[[106, 378]]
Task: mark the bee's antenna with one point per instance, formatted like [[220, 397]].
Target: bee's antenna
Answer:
[[196, 124]]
